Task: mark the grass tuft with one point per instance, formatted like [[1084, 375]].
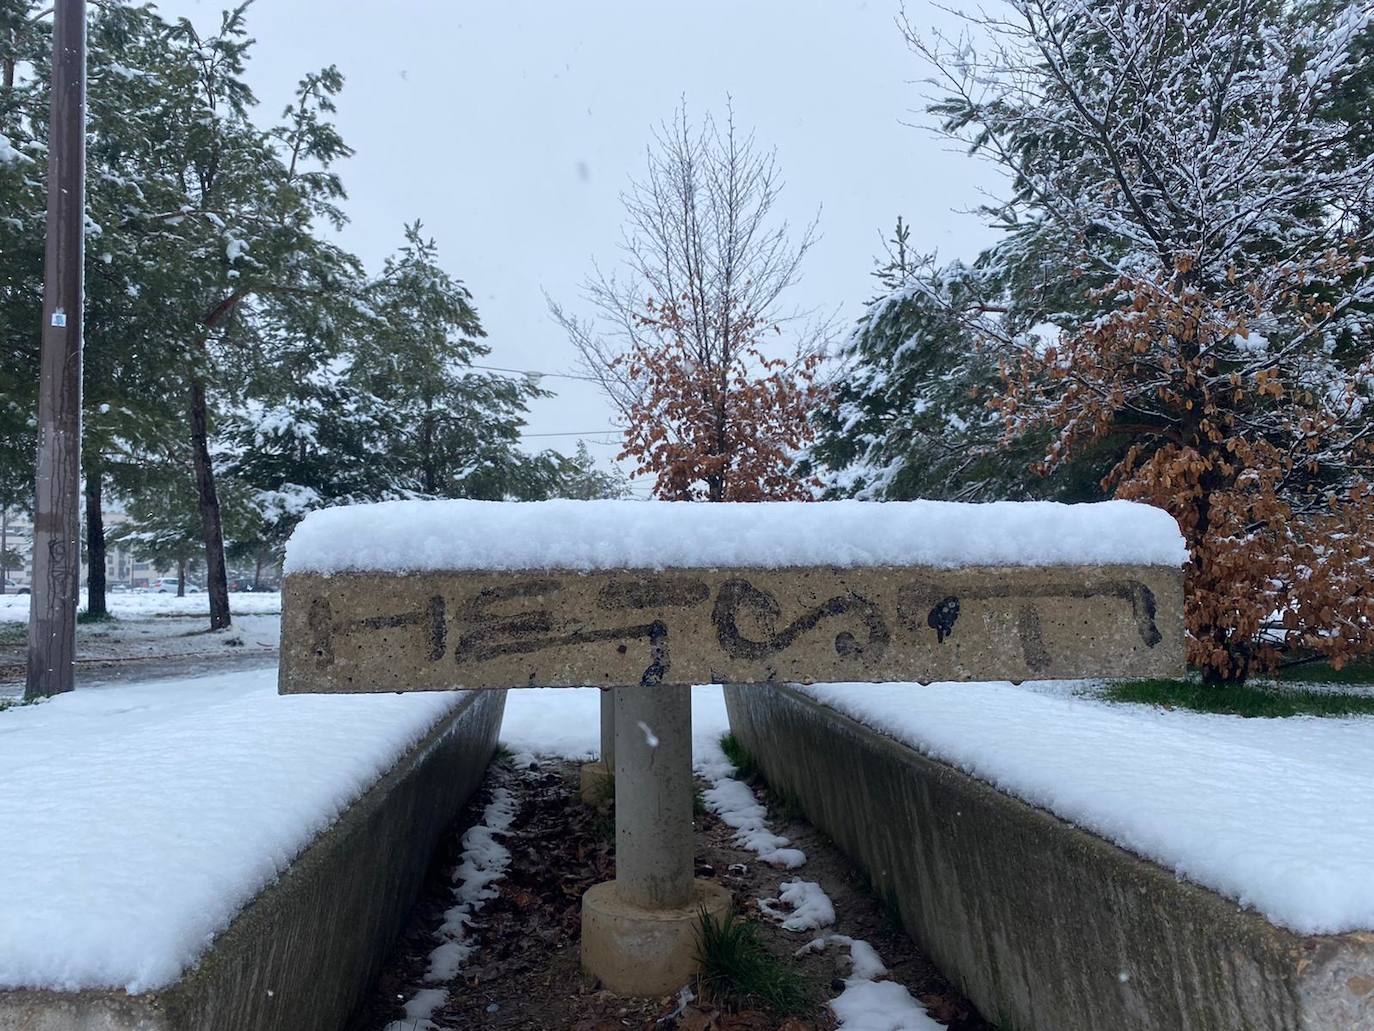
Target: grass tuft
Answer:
[[739, 973], [1359, 672], [740, 758], [1255, 700], [84, 617]]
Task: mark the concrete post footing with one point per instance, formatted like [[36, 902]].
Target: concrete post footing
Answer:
[[645, 953], [596, 784]]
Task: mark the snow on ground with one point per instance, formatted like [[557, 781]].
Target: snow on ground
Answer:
[[431, 535], [566, 722], [1271, 812], [800, 906], [14, 608], [484, 862], [139, 819]]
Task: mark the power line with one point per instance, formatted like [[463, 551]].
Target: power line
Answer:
[[535, 374], [572, 433]]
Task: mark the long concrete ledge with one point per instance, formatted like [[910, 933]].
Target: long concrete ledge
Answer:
[[1044, 926], [302, 954]]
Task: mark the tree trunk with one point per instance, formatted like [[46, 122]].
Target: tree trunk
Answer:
[[216, 579], [95, 546], [181, 578], [4, 546], [257, 570]]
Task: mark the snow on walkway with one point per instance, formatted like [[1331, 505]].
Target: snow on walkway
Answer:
[[1272, 812], [137, 820]]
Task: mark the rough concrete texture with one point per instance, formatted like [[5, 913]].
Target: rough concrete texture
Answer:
[[1044, 926], [596, 784], [645, 953], [379, 632], [304, 952]]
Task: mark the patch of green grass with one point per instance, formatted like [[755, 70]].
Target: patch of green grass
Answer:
[[740, 757], [84, 617], [698, 804], [12, 634], [1360, 672], [786, 804], [738, 972], [1248, 699], [14, 703]]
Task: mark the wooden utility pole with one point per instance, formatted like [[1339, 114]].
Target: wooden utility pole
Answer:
[[56, 520]]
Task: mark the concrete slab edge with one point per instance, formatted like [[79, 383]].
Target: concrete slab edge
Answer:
[[1044, 926], [301, 955]]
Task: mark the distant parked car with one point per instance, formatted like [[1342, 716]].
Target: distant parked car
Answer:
[[241, 583], [10, 585], [168, 585]]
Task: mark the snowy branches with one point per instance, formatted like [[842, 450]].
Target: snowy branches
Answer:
[[1195, 170]]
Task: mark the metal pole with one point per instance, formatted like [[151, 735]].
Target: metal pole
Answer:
[[56, 520]]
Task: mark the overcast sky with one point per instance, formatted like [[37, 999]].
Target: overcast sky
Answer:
[[509, 127]]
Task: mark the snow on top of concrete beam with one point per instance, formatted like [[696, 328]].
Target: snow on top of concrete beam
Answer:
[[429, 536]]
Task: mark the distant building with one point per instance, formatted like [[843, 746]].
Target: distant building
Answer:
[[120, 564]]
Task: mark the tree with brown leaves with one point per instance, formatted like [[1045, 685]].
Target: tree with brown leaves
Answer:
[[711, 376], [1189, 166]]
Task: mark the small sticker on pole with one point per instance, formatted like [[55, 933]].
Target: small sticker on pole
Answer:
[[59, 318]]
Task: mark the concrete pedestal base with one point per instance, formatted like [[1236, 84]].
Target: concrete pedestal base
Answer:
[[645, 952], [597, 784]]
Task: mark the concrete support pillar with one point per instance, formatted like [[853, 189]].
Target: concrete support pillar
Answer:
[[653, 796], [608, 727], [639, 931], [598, 778]]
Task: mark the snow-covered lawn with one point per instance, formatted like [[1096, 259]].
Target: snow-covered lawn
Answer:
[[137, 820], [14, 608]]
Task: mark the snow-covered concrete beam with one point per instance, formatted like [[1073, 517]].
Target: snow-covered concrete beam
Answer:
[[373, 631]]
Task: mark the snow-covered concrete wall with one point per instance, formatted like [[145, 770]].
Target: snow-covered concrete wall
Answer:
[[302, 953], [1045, 926]]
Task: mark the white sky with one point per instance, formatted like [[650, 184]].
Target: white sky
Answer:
[[510, 126]]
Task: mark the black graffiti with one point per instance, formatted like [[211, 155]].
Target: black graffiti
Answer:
[[943, 617], [913, 600], [320, 620], [735, 595], [536, 630], [323, 628], [431, 618], [652, 592]]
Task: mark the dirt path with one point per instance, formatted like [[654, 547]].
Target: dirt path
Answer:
[[524, 974]]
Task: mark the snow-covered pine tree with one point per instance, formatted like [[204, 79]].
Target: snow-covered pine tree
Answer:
[[908, 411], [580, 479], [448, 430], [21, 249], [1194, 169]]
